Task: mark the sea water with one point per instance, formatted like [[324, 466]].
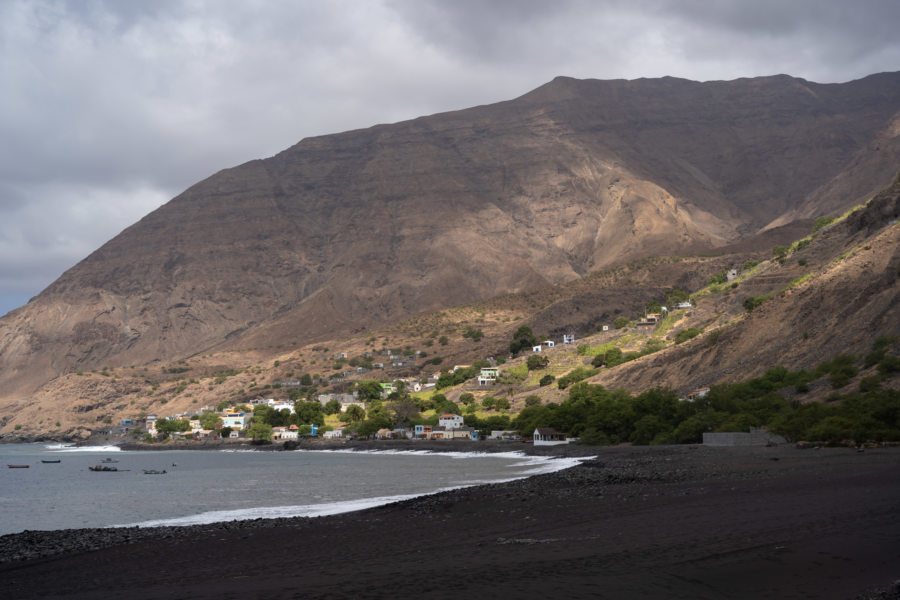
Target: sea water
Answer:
[[220, 485]]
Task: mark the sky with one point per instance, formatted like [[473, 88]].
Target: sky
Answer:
[[109, 109]]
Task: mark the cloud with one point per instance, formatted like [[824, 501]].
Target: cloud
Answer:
[[110, 108]]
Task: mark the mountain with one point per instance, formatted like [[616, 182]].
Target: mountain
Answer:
[[346, 232]]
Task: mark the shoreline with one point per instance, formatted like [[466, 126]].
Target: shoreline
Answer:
[[667, 521]]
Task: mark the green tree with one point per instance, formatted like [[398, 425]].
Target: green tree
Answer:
[[676, 296], [210, 420], [620, 322], [405, 412], [310, 413], [369, 390], [536, 361], [332, 407], [467, 398], [613, 357], [533, 400], [260, 431], [172, 425], [353, 414], [523, 338]]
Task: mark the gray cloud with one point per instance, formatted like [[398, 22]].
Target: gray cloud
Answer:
[[112, 107]]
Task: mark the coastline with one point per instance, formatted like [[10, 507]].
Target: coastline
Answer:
[[485, 446], [676, 521]]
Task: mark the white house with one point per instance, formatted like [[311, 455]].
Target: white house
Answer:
[[282, 405], [549, 343], [545, 436], [568, 338], [333, 434], [450, 421], [285, 433], [488, 375], [605, 328], [535, 348]]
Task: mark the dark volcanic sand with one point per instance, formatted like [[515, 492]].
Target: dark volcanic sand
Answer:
[[664, 522]]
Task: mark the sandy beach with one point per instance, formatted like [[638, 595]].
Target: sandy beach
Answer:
[[635, 522]]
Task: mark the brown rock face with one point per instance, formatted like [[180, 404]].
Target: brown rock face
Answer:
[[346, 231]]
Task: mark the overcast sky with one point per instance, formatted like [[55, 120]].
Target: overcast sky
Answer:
[[110, 109]]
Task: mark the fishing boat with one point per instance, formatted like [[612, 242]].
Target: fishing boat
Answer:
[[154, 472], [18, 466], [103, 468], [48, 461]]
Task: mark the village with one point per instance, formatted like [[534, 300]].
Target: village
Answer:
[[352, 409]]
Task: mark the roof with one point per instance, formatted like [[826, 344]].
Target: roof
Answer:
[[547, 431], [451, 417]]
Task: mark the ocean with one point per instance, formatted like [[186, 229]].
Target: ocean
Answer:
[[225, 485]]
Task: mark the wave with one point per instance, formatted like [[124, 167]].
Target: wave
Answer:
[[74, 448], [278, 512]]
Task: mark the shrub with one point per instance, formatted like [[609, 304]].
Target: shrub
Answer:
[[752, 302], [621, 322], [536, 361], [613, 357], [821, 222], [533, 400], [547, 380], [687, 334], [574, 376], [474, 334]]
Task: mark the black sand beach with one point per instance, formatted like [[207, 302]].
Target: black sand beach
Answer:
[[636, 522]]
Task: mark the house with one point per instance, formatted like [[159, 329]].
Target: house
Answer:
[[422, 432], [126, 422], [604, 328], [437, 433], [237, 420], [340, 355], [280, 405], [234, 434], [684, 305], [285, 433], [333, 434], [461, 433], [488, 375], [568, 338], [652, 317], [450, 421], [535, 348], [731, 275], [698, 393], [546, 436], [504, 434]]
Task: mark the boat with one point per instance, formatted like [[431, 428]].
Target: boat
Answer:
[[48, 461], [109, 460], [154, 472], [103, 468], [18, 466]]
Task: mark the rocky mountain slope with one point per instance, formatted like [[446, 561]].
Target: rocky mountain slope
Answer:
[[351, 231]]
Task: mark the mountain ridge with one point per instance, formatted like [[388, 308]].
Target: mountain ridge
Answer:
[[361, 228]]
